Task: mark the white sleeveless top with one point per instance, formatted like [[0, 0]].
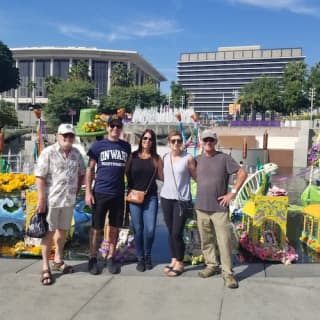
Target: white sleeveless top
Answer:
[[181, 179]]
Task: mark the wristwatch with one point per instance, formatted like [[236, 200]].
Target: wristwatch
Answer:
[[234, 190]]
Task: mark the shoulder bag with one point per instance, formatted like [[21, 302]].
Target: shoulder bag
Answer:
[[137, 196]]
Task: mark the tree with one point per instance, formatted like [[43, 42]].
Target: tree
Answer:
[[295, 96], [129, 97], [31, 85], [67, 95], [9, 75], [79, 71], [50, 82], [121, 76], [314, 82], [8, 114], [260, 95], [179, 97]]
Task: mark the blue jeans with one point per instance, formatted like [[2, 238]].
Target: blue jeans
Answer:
[[144, 219]]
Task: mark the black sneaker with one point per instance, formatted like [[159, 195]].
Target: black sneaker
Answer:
[[141, 265], [93, 266], [113, 268], [148, 261]]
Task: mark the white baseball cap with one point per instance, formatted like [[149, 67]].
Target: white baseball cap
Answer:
[[65, 128]]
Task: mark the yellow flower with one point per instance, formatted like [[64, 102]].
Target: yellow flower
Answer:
[[10, 182]]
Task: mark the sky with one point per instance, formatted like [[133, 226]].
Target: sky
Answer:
[[161, 30]]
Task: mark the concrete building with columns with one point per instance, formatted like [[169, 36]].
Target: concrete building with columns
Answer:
[[37, 63]]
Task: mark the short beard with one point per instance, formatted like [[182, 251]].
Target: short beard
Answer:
[[66, 145]]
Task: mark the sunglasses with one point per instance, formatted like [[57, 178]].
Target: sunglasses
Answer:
[[68, 135], [208, 140], [147, 138], [178, 141], [118, 126]]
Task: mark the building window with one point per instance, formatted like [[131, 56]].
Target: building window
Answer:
[[25, 72], [100, 78], [42, 72], [61, 69]]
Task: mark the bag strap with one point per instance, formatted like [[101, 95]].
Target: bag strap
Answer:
[[153, 175], [129, 164], [174, 178]]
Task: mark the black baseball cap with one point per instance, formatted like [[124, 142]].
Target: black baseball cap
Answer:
[[115, 120]]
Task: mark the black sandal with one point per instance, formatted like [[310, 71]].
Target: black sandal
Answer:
[[46, 278], [175, 272], [167, 269]]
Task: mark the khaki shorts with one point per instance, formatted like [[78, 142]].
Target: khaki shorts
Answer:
[[59, 218]]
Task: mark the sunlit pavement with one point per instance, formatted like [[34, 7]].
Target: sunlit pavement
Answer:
[[265, 292]]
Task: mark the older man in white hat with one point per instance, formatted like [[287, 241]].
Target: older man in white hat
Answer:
[[59, 172], [213, 198]]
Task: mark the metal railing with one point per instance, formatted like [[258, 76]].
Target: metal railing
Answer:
[[15, 163]]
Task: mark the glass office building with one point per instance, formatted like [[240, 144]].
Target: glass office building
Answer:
[[37, 64], [214, 79]]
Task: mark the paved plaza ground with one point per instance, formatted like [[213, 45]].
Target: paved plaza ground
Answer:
[[265, 292]]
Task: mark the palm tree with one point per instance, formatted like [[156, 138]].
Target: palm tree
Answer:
[[31, 85], [121, 76]]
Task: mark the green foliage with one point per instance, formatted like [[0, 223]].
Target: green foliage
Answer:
[[79, 71], [67, 95], [9, 75], [121, 76], [260, 95], [129, 97], [295, 88], [177, 92], [314, 82], [50, 83], [8, 114]]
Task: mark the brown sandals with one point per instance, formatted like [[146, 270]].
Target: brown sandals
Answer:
[[62, 267], [46, 278]]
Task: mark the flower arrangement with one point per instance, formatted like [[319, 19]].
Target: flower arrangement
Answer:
[[314, 155], [10, 182], [98, 124]]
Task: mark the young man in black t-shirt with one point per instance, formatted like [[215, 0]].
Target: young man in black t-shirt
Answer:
[[107, 161]]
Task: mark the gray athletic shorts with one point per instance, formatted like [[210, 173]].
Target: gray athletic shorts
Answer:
[[59, 218]]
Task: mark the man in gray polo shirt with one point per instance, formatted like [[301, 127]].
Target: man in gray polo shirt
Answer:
[[213, 171]]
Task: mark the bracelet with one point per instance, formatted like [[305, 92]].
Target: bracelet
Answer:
[[234, 190]]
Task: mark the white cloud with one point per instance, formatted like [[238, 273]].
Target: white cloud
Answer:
[[140, 29], [76, 32], [143, 29], [297, 6]]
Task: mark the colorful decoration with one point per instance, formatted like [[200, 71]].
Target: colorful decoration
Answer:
[[98, 124], [314, 151], [121, 113], [125, 250], [311, 227], [191, 237], [263, 229], [11, 182], [194, 137]]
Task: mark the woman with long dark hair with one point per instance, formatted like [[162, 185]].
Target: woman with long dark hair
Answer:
[[144, 167]]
